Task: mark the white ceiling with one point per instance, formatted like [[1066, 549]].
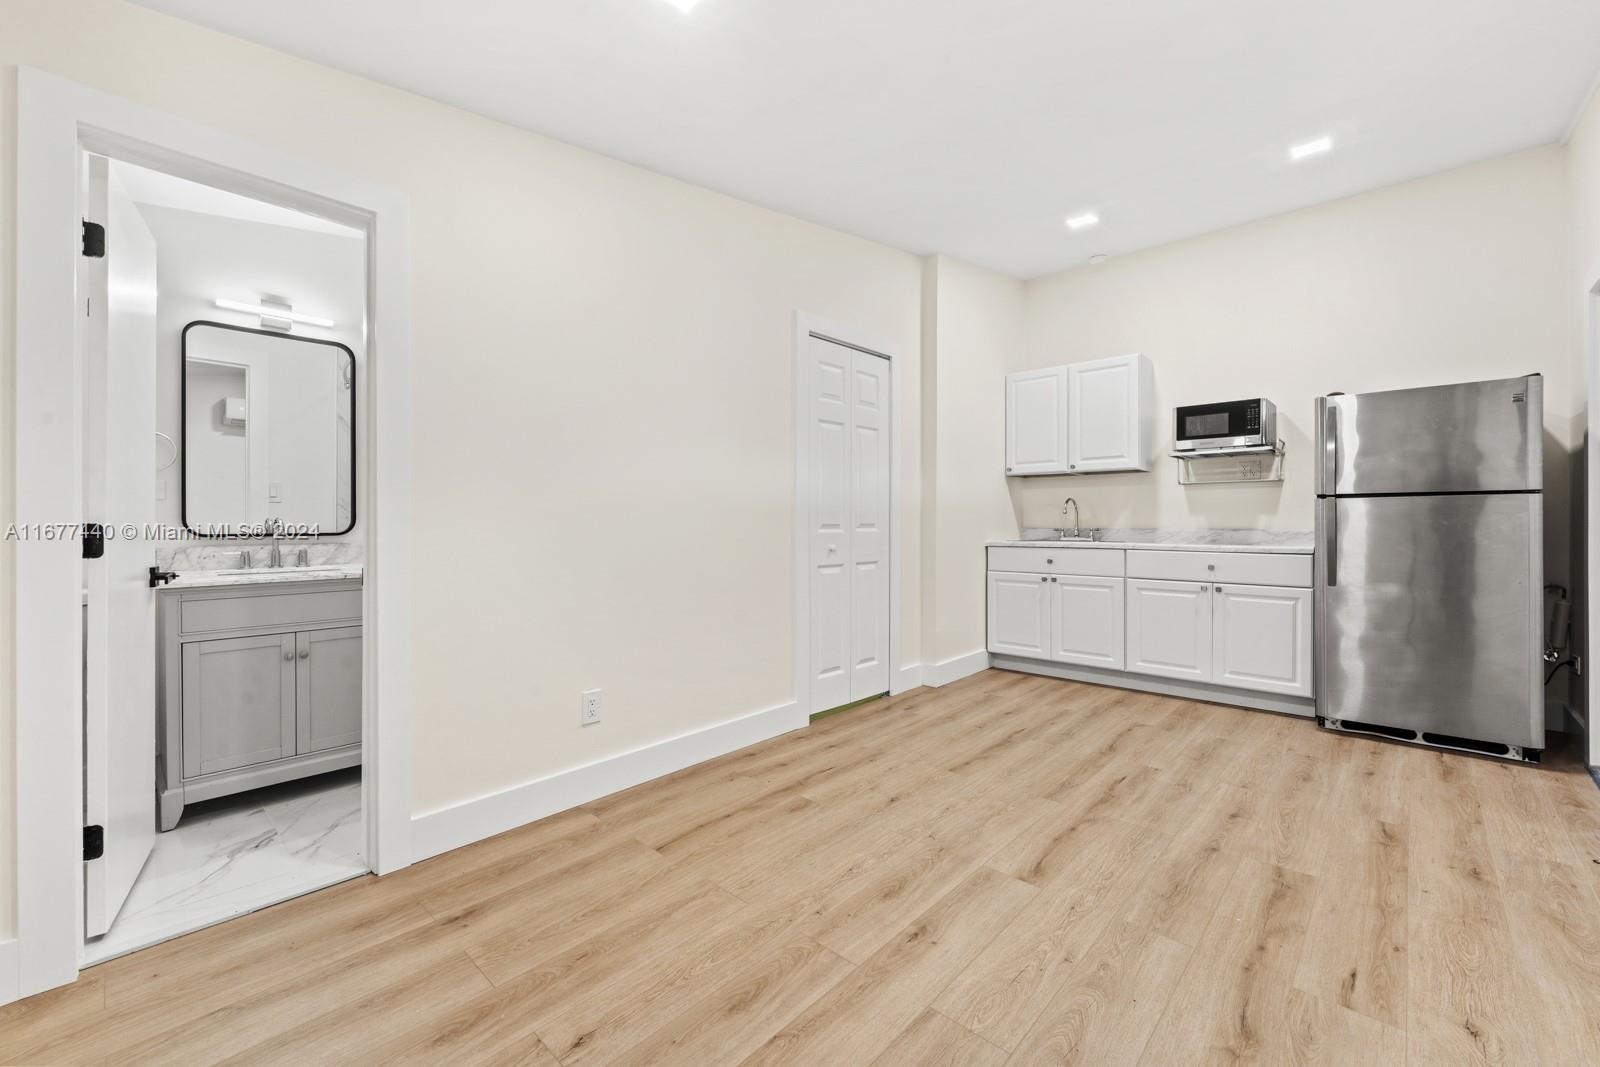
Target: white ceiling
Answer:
[[972, 127]]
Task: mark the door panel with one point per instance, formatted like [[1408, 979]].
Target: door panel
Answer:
[[1478, 437], [1262, 638], [238, 702], [1019, 614], [869, 527], [1036, 422], [831, 370], [328, 689], [119, 484], [1087, 621], [1169, 629], [1431, 619]]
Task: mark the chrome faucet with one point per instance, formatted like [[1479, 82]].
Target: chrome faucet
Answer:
[[1077, 529], [276, 526]]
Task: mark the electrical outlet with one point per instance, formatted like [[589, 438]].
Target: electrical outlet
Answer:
[[590, 707]]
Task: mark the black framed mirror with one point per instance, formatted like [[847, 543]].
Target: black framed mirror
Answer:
[[268, 432]]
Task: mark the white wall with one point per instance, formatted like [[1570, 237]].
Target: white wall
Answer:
[[972, 336], [1583, 184], [1456, 277], [201, 256], [602, 359]]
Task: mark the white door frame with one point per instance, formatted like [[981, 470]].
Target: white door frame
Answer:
[[806, 327], [1591, 607], [56, 121]]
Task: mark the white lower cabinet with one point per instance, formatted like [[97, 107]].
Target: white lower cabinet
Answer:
[[1019, 614], [1169, 628], [1066, 618], [1232, 634], [1261, 638], [1086, 621]]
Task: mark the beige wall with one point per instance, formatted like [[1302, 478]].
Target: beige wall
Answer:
[[602, 377], [1455, 277], [974, 330]]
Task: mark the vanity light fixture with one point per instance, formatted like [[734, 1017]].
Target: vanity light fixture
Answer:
[[1083, 221], [1310, 148], [272, 312], [685, 6]]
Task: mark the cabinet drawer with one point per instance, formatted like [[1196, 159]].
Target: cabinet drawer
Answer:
[[1248, 568], [287, 610], [1098, 562]]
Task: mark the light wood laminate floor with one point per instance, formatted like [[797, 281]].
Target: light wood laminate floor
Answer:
[[1007, 870]]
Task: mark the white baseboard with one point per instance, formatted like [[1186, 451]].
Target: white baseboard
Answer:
[[953, 670], [905, 679], [10, 975], [460, 824]]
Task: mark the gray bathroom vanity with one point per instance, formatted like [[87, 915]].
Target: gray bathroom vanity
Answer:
[[258, 681]]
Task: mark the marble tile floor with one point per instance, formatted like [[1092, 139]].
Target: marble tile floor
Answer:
[[238, 854]]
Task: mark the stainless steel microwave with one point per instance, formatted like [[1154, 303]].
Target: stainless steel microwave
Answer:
[[1232, 424]]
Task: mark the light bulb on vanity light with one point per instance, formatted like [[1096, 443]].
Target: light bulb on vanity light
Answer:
[[272, 312]]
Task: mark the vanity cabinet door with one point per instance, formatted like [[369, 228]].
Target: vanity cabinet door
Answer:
[[329, 685], [1169, 629], [238, 702]]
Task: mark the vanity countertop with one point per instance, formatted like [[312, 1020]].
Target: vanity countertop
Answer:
[[343, 572], [1287, 542]]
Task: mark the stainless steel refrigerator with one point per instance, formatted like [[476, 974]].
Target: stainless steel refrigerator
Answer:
[[1430, 565]]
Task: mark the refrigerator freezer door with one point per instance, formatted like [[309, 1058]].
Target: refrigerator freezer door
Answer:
[[1480, 437], [1428, 614]]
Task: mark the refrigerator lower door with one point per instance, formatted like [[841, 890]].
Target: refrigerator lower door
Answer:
[[1428, 614]]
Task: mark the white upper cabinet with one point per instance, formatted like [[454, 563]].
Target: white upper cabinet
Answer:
[[1036, 422], [1109, 415], [1080, 418]]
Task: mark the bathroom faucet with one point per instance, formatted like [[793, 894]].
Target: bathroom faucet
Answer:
[[276, 526], [1077, 530]]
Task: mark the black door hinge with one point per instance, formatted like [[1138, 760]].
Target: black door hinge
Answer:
[[94, 240], [94, 540], [94, 842]]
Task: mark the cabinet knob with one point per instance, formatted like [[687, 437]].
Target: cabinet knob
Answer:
[[288, 656], [305, 653], [1052, 579], [1043, 578]]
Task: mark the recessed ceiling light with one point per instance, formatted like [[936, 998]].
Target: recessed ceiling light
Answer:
[[1311, 148], [1082, 222], [685, 6]]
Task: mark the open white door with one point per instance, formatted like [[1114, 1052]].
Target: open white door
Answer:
[[119, 489]]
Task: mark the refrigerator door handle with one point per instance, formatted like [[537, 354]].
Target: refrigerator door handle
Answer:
[[1330, 550], [1330, 446]]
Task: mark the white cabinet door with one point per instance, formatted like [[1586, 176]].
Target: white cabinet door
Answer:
[[1086, 621], [1262, 638], [1109, 415], [1036, 422], [1169, 628], [1019, 614]]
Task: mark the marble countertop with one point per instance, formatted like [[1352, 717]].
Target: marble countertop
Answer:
[[1286, 542], [211, 579]]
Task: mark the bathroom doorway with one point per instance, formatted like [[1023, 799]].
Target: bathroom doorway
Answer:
[[320, 646], [224, 363]]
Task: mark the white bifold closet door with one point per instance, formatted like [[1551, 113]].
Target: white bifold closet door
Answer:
[[849, 417]]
